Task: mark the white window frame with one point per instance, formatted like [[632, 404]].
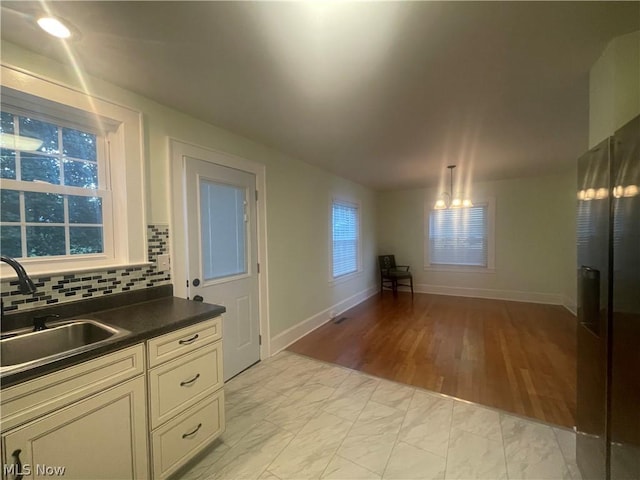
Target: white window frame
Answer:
[[349, 202], [121, 127], [103, 191], [490, 203]]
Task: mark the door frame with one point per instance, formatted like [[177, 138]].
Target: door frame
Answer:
[[178, 222]]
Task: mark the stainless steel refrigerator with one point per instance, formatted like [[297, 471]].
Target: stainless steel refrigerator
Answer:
[[608, 333]]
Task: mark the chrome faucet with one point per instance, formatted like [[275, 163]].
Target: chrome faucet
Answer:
[[26, 284]]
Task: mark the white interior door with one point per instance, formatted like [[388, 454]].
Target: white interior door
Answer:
[[222, 266]]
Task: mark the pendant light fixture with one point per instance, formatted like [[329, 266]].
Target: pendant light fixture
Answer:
[[448, 199]]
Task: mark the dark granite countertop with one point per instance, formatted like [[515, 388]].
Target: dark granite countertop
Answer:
[[145, 320]]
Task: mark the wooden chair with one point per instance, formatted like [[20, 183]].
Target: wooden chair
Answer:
[[390, 274]]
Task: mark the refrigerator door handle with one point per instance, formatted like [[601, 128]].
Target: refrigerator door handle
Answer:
[[590, 298], [589, 269]]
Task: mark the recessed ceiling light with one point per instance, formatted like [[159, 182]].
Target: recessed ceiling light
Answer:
[[54, 27]]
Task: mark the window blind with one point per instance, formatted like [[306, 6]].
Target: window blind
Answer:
[[345, 238], [459, 236]]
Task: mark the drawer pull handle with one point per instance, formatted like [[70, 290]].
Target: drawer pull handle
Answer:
[[191, 434], [189, 382], [189, 340]]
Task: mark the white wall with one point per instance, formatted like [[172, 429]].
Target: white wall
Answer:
[[298, 198], [534, 239], [614, 87]]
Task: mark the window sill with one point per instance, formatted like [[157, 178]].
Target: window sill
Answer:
[[9, 275], [455, 269], [345, 278]]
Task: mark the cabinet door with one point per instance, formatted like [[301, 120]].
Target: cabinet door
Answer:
[[101, 437]]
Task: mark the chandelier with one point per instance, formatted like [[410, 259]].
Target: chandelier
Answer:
[[449, 200]]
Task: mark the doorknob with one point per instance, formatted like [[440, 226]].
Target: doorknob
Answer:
[[196, 282], [198, 298]]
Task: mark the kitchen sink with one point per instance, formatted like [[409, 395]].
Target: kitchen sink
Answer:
[[21, 349]]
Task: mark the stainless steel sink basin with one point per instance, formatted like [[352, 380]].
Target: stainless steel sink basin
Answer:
[[21, 349]]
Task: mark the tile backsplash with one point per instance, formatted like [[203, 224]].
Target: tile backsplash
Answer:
[[56, 289]]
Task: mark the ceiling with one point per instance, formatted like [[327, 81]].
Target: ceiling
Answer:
[[385, 94]]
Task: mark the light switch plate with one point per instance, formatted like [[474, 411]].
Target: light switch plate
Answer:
[[164, 263]]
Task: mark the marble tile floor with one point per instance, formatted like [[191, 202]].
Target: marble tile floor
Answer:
[[292, 417]]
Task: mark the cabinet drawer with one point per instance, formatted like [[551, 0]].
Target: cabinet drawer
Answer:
[[176, 442], [178, 384], [172, 345], [26, 401]]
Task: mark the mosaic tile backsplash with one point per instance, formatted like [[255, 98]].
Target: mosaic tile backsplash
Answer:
[[68, 288]]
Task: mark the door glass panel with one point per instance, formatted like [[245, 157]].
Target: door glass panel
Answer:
[[223, 232]]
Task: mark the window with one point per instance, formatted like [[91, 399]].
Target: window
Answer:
[[72, 176], [53, 190], [345, 244], [223, 229], [460, 237]]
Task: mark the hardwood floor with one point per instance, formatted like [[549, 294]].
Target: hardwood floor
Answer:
[[519, 357]]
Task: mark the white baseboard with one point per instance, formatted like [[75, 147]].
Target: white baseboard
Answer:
[[293, 334], [512, 295], [570, 304]]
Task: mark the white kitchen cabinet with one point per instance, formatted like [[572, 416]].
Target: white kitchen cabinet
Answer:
[[97, 419], [186, 395], [87, 431], [103, 436]]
